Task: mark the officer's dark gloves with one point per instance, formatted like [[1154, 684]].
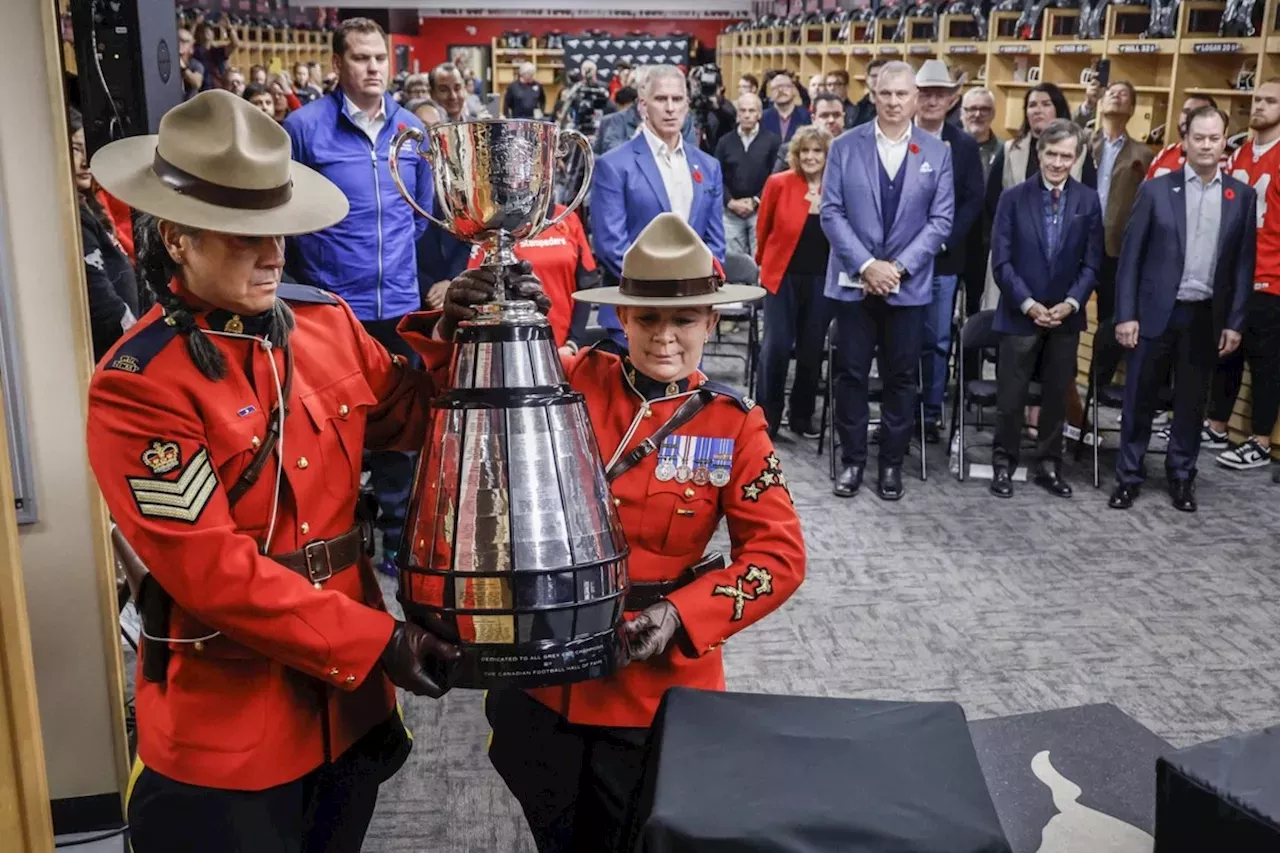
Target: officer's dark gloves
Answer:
[[414, 659], [478, 286], [649, 634]]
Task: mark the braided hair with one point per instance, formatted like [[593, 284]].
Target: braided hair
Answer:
[[158, 269]]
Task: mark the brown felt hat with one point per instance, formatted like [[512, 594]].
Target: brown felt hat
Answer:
[[220, 164]]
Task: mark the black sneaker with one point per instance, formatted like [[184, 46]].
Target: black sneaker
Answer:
[[1211, 439], [803, 427], [1246, 455]]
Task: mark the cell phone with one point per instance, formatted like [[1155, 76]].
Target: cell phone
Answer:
[[1103, 69]]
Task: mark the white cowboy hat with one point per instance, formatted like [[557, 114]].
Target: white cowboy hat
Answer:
[[668, 266], [220, 164], [934, 74]]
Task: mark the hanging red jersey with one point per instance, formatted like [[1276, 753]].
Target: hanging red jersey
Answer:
[[1169, 160], [556, 255], [1260, 169]]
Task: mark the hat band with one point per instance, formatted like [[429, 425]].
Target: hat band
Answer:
[[670, 288], [235, 197]]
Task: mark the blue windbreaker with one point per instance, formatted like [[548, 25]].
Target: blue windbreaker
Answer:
[[368, 258]]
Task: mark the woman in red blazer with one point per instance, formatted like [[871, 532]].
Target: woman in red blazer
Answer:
[[792, 253]]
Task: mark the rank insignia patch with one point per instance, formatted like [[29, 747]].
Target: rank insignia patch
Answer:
[[162, 456], [770, 477], [756, 582], [182, 499]]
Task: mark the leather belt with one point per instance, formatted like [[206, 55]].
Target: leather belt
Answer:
[[321, 559], [642, 595]]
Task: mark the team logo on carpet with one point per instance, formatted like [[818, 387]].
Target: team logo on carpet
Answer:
[[1080, 829], [750, 586]]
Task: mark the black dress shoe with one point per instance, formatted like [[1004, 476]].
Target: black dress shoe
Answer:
[[803, 427], [1051, 481], [1002, 483], [1123, 496], [932, 433], [1183, 493], [848, 482], [890, 486]]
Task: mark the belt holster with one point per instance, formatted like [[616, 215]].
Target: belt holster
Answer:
[[153, 607]]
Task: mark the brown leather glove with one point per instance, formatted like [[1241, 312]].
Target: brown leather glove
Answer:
[[418, 660], [649, 634], [478, 286]]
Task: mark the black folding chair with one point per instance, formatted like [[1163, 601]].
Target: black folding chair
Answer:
[[740, 269], [977, 335], [875, 394]]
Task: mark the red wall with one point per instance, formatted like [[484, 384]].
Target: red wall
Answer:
[[429, 48]]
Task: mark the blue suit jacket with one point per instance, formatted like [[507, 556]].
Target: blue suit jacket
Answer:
[[1020, 260], [851, 212], [627, 193], [1155, 240], [770, 120]]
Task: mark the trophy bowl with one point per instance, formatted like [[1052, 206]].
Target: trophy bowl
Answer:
[[494, 178], [512, 547]]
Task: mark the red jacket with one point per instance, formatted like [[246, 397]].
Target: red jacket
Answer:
[[249, 709], [668, 527], [779, 222]]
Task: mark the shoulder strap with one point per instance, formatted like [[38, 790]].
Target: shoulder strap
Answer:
[[646, 448], [254, 469]]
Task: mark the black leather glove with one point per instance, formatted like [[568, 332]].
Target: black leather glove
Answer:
[[478, 286], [418, 660], [649, 634]]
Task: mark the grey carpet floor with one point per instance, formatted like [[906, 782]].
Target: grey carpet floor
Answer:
[[1007, 607]]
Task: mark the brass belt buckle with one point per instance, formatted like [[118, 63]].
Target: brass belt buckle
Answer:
[[309, 551]]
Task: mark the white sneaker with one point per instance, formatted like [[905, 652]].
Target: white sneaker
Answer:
[[1211, 439], [1244, 456]]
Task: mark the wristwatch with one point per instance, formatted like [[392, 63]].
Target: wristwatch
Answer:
[[902, 271]]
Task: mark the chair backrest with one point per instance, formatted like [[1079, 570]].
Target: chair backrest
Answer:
[[977, 332], [740, 269]]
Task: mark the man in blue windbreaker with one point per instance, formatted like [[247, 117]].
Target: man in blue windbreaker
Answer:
[[368, 258]]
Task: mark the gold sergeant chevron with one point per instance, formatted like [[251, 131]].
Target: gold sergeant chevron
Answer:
[[182, 499]]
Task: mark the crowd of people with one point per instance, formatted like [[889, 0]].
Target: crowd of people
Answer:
[[276, 291]]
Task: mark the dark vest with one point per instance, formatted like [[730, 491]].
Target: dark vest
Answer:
[[890, 193]]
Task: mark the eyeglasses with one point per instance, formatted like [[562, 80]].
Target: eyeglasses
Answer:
[[979, 110]]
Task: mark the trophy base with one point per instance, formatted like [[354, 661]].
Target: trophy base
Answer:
[[541, 664]]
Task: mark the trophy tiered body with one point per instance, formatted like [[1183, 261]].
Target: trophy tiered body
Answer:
[[513, 547]]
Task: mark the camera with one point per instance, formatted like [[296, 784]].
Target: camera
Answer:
[[704, 88], [590, 101]]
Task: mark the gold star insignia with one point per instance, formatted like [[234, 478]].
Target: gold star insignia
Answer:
[[774, 463], [751, 492]]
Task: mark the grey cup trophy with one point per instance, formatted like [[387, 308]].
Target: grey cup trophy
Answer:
[[512, 547]]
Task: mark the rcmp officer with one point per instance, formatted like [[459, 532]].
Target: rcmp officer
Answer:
[[684, 454], [226, 431]]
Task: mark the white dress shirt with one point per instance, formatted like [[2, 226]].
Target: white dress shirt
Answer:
[[892, 151], [674, 168], [748, 138], [371, 126]]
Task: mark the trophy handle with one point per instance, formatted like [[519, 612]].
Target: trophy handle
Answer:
[[589, 166], [394, 162]]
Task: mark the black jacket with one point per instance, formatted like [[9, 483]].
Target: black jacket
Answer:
[[861, 113], [746, 170], [113, 289], [966, 170]]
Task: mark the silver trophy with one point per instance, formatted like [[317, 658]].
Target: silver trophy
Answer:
[[513, 548]]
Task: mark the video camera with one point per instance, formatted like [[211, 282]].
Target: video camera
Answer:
[[590, 101], [704, 88]]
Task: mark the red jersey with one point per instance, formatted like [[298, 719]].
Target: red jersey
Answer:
[[1259, 171], [556, 254], [1169, 160]]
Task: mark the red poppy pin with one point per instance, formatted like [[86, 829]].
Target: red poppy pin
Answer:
[[697, 176], [400, 127], [913, 148], [1229, 194]]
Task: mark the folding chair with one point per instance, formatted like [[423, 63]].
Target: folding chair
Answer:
[[977, 334], [875, 394], [740, 269]]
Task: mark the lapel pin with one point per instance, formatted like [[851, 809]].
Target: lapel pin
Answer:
[[1229, 194]]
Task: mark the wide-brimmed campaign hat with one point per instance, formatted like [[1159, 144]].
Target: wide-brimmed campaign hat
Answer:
[[668, 266], [220, 164]]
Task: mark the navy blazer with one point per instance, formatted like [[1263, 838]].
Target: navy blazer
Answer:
[[1154, 249], [966, 172], [770, 120], [1020, 261]]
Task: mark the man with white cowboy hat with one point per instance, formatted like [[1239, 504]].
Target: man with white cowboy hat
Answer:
[[683, 454], [937, 91], [226, 430]]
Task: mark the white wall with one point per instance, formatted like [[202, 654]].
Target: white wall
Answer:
[[61, 555]]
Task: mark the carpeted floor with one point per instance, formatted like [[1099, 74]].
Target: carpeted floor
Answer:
[[1004, 606]]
